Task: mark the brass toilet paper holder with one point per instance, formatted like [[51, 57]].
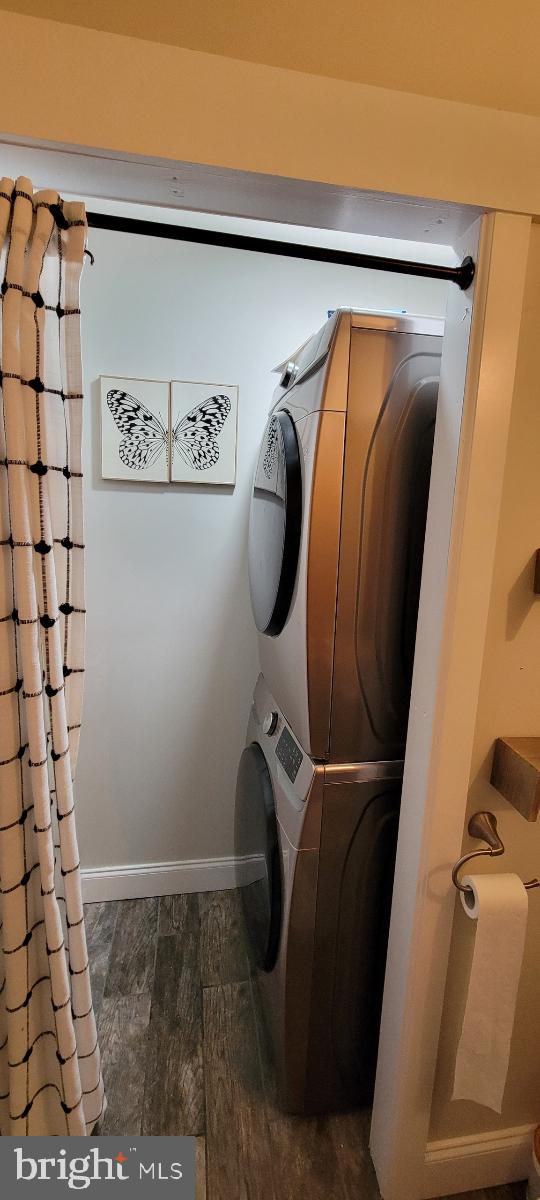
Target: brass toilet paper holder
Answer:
[[483, 825]]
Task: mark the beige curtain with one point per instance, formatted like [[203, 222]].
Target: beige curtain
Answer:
[[50, 1076]]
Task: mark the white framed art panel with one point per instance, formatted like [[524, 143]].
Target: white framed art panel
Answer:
[[135, 429], [203, 432]]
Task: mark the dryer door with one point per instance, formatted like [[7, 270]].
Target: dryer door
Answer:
[[258, 856], [275, 525]]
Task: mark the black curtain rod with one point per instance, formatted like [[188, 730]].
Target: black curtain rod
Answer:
[[462, 275]]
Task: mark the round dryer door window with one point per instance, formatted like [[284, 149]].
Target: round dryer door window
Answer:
[[275, 525], [258, 856]]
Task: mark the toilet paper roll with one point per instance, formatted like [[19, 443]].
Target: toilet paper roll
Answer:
[[499, 905]]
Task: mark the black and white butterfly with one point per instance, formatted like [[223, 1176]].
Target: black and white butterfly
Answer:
[[145, 437], [271, 453]]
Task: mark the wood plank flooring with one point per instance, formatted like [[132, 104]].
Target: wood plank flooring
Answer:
[[185, 1052]]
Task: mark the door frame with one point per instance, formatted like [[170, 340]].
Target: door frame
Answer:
[[479, 359], [463, 512]]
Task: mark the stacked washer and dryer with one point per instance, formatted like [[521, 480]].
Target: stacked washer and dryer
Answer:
[[335, 557]]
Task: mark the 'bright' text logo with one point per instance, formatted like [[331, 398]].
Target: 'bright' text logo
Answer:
[[80, 1172]]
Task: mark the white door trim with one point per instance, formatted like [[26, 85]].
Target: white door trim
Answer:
[[464, 1164], [474, 413]]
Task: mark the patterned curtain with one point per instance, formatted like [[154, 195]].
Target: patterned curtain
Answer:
[[50, 1074]]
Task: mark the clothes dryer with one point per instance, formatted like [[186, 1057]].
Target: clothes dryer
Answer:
[[337, 529]]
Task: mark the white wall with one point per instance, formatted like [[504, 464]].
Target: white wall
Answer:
[[171, 648], [167, 103]]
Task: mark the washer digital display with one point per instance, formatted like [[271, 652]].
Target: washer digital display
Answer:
[[289, 754]]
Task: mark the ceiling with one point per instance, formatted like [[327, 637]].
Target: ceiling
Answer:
[[482, 52]]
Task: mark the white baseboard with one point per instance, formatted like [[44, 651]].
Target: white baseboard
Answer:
[[167, 878], [480, 1161]]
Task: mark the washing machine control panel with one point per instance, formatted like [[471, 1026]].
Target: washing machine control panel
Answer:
[[289, 754]]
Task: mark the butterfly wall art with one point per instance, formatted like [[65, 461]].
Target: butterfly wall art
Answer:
[[168, 432]]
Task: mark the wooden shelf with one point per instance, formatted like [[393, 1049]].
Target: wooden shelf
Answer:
[[516, 773]]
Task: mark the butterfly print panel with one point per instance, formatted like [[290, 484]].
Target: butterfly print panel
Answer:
[[203, 432], [135, 429]]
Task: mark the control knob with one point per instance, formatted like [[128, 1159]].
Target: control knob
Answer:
[[269, 724]]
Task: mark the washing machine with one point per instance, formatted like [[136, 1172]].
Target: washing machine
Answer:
[[337, 528], [315, 852]]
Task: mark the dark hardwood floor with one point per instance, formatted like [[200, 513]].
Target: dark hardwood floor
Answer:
[[184, 1052]]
